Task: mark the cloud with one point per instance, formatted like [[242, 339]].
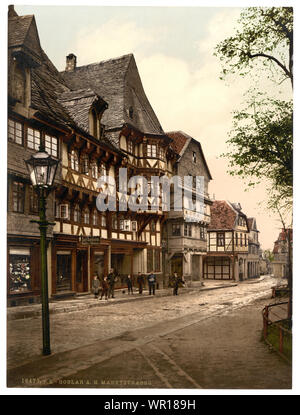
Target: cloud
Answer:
[[112, 39]]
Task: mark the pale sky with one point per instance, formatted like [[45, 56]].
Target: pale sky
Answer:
[[173, 48]]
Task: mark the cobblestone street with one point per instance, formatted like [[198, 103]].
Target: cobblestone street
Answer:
[[209, 339]]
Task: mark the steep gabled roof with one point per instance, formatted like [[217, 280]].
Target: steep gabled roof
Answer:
[[78, 104], [117, 81], [224, 215], [181, 142], [23, 37]]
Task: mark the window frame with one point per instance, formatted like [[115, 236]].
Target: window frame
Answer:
[[13, 139], [19, 193], [221, 239], [35, 144]]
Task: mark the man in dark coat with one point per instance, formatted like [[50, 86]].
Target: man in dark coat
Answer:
[[140, 281], [177, 282], [151, 282], [111, 279], [129, 284]]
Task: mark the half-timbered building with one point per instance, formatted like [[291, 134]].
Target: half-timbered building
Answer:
[[95, 119], [227, 243], [131, 126]]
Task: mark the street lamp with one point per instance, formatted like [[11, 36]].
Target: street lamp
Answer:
[[42, 168]]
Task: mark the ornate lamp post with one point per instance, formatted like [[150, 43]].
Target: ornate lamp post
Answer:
[[42, 168]]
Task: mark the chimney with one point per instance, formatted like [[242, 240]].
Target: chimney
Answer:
[[11, 11], [71, 62]]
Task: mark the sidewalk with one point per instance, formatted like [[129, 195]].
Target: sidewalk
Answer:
[[84, 302]]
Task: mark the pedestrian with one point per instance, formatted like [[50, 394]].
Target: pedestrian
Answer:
[[111, 279], [151, 283], [95, 285], [104, 288], [177, 281], [140, 281], [129, 284]]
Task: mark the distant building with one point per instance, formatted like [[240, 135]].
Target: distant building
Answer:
[[227, 243], [281, 254], [253, 249]]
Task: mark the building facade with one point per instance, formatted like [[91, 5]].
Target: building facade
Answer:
[[280, 263], [95, 119], [227, 243], [253, 250], [185, 231]]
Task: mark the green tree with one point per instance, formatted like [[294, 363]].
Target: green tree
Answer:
[[261, 140], [266, 36]]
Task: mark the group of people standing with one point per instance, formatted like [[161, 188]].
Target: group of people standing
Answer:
[[107, 284]]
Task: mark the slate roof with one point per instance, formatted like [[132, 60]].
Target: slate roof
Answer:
[[223, 215], [50, 95], [78, 104], [117, 81]]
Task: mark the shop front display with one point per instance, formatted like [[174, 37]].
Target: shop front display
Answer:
[[20, 279]]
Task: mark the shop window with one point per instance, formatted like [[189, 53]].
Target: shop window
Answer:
[[74, 160], [15, 132], [18, 197], [33, 138], [176, 230], [19, 271], [51, 145], [220, 239], [157, 260], [33, 201], [149, 260]]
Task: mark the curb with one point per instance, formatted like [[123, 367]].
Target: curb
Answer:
[[34, 313]]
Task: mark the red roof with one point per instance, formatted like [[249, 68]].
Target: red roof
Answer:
[[179, 140], [222, 215]]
